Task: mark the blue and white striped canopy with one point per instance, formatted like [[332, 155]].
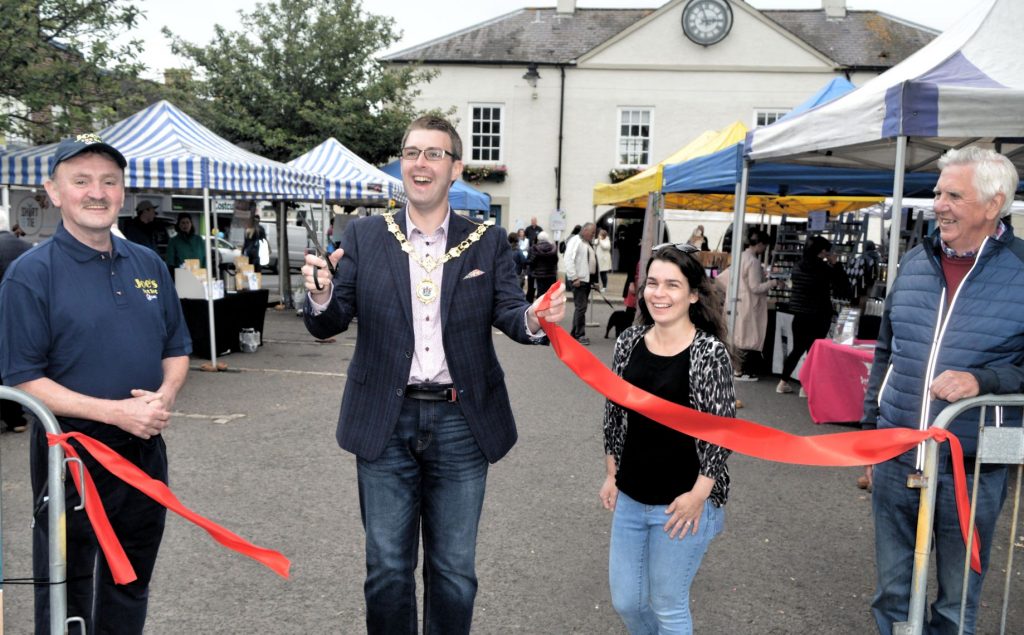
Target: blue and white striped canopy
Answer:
[[169, 150], [346, 176]]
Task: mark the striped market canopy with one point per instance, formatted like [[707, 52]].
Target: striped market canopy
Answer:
[[168, 150], [348, 178]]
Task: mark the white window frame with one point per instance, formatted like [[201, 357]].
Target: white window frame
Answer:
[[619, 137], [472, 147], [774, 114]]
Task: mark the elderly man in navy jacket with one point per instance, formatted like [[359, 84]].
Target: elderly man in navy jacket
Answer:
[[952, 329], [425, 407]]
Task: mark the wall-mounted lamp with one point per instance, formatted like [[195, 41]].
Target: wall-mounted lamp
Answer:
[[531, 75]]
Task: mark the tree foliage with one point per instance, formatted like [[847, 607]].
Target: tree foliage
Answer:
[[298, 72], [60, 70]]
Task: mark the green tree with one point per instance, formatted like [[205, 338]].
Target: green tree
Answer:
[[298, 72], [60, 70]]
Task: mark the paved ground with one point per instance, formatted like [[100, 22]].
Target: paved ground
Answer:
[[796, 556]]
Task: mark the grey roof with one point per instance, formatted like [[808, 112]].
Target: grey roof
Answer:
[[863, 39], [526, 35]]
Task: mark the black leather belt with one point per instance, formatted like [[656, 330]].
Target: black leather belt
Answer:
[[432, 392]]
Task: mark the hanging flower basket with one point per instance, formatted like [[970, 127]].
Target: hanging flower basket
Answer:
[[477, 173], [621, 174]]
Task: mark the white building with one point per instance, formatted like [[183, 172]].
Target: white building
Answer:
[[562, 96]]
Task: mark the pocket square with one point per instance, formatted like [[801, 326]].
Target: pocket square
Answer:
[[472, 274]]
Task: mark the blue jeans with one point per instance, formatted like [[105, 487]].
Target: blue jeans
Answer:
[[895, 508], [649, 573], [432, 473]]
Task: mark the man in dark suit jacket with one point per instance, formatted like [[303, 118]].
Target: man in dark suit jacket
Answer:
[[425, 407]]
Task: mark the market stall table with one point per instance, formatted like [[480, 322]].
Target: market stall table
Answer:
[[231, 314], [835, 376]]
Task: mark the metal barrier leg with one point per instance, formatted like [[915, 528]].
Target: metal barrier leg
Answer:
[[1009, 552], [55, 510], [926, 482]]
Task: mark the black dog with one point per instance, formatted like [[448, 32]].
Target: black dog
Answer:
[[620, 320]]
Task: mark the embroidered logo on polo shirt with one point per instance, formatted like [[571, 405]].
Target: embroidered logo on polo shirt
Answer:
[[149, 287]]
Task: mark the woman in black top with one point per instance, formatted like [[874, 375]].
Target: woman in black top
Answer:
[[667, 489], [816, 279]]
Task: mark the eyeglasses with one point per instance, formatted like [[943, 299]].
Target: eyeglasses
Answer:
[[411, 153], [686, 248]]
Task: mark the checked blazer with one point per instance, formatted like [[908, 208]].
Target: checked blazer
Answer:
[[372, 283]]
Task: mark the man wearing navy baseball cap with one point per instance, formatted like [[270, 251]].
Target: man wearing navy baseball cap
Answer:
[[67, 308]]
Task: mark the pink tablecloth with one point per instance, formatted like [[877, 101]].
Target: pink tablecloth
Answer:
[[835, 377]]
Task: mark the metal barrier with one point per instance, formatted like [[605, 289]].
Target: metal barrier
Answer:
[[996, 444], [55, 512]]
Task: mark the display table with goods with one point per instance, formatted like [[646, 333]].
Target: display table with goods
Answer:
[[231, 314], [835, 377]]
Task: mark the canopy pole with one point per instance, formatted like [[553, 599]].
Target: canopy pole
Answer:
[[5, 202], [284, 280], [896, 218], [739, 211], [209, 287]]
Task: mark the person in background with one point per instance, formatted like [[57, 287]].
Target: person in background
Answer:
[[11, 246], [90, 325], [816, 280], [667, 490], [968, 278], [752, 306], [254, 234], [581, 272], [543, 264], [698, 239], [518, 257], [185, 245], [141, 230], [531, 232], [604, 257]]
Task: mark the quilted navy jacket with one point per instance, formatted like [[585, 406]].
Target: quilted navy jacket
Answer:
[[981, 332]]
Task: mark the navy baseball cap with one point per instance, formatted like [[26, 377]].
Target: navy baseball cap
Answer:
[[72, 147]]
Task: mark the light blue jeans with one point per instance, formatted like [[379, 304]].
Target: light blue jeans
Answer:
[[649, 573]]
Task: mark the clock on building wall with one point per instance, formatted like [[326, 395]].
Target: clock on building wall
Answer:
[[707, 22]]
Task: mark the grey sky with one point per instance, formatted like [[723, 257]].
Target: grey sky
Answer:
[[422, 21]]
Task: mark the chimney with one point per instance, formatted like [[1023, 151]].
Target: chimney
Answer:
[[834, 9], [566, 6]]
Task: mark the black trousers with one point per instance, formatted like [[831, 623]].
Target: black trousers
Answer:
[[580, 300], [138, 522], [806, 329]]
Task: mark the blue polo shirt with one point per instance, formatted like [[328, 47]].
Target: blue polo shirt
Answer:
[[96, 323]]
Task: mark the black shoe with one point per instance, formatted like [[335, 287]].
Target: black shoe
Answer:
[[583, 340]]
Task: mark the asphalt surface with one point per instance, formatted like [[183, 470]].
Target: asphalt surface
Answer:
[[254, 450]]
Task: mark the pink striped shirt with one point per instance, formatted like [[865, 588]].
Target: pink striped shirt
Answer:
[[428, 361]]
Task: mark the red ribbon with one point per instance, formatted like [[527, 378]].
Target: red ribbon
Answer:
[[844, 449], [120, 568]]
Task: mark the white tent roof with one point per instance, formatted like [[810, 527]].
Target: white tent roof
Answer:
[[966, 86], [346, 176], [167, 149]]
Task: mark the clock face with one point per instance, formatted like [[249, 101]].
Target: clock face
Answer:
[[707, 22]]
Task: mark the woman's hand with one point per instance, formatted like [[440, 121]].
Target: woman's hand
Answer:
[[685, 512], [609, 492]]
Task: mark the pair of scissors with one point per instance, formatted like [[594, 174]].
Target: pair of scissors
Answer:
[[311, 235]]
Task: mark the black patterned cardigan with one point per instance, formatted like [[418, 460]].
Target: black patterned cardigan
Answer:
[[711, 391]]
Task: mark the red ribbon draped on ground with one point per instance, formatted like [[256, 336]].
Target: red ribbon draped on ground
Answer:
[[120, 568], [843, 449]]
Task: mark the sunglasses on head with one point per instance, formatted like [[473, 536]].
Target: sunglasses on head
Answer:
[[686, 248]]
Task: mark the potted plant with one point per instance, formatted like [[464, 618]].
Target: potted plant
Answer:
[[493, 173]]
